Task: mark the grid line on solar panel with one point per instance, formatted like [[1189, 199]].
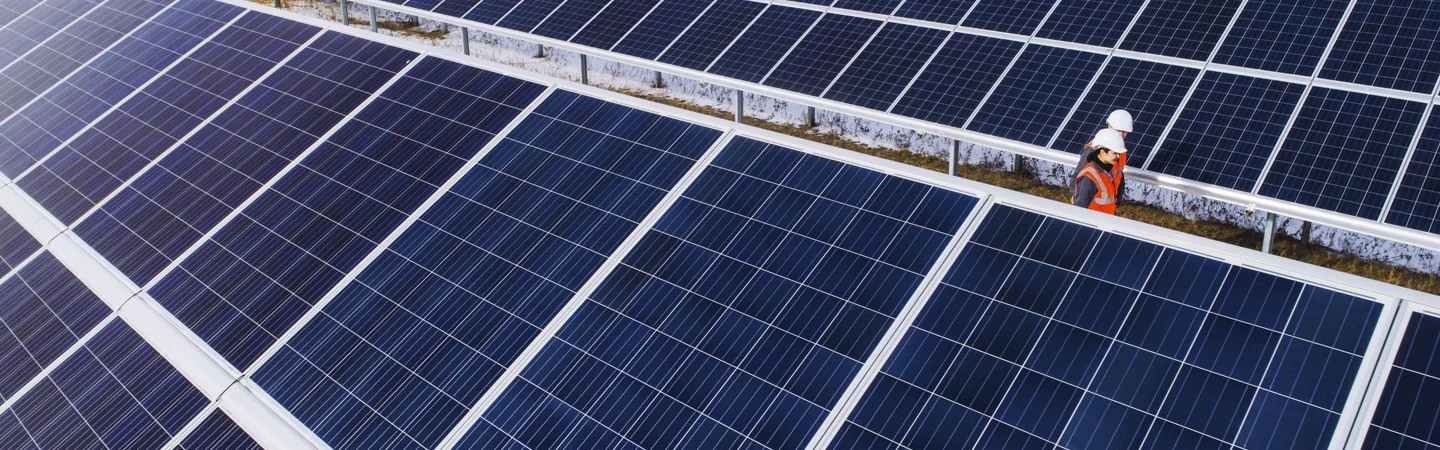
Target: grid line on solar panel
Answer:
[[950, 12], [1405, 414], [16, 243], [452, 253], [1389, 45], [677, 258], [824, 51], [528, 14], [970, 301], [218, 432], [16, 10], [1039, 89], [37, 25], [711, 34], [1020, 17], [612, 23], [1321, 162], [660, 27], [949, 89], [1101, 23], [92, 156], [1181, 28], [1114, 89], [1415, 202], [764, 43], [569, 18], [886, 66], [1280, 36], [44, 310]]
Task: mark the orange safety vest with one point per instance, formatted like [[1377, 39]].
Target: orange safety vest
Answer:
[[1107, 184]]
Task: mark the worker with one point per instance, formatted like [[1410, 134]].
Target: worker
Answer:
[[1097, 185], [1119, 120]]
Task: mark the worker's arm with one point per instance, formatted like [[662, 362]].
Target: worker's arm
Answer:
[[1085, 190]]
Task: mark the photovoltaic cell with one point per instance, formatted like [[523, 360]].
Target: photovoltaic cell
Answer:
[[71, 48], [488, 11], [1344, 152], [565, 21], [1039, 90], [824, 51], [16, 244], [404, 351], [740, 319], [613, 22], [698, 47], [1009, 16], [1228, 130], [38, 24], [529, 13], [1406, 417], [942, 11], [454, 8], [887, 65], [872, 6], [114, 393], [1102, 341], [259, 274], [1389, 44], [218, 432], [1093, 22], [44, 310], [78, 175], [951, 87], [14, 9], [425, 5], [667, 21], [1180, 28], [1281, 36], [1417, 200], [1150, 91], [764, 43]]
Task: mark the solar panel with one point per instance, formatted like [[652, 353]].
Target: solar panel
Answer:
[[528, 14], [1405, 416], [76, 176], [13, 10], [1031, 101], [888, 63], [1416, 203], [762, 45], [116, 392], [871, 6], [613, 22], [16, 244], [567, 20], [940, 11], [218, 432], [1280, 36], [739, 320], [38, 24], [404, 351], [1387, 44], [1009, 16], [1227, 130], [952, 85], [822, 54], [489, 11], [1180, 28], [698, 47], [1115, 89], [1344, 152], [1093, 22], [653, 34], [44, 310], [1046, 332]]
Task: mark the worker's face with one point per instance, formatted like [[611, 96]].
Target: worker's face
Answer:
[[1108, 157]]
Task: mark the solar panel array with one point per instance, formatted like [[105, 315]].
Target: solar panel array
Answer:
[[399, 250], [1256, 96], [1405, 417]]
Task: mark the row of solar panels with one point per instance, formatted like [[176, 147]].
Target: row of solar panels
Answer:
[[404, 251], [1323, 104]]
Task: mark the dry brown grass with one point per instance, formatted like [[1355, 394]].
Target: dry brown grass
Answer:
[[1285, 245]]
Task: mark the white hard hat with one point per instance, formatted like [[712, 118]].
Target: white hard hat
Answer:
[[1120, 120], [1109, 139]]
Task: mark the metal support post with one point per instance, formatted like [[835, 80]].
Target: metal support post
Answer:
[[1268, 244], [277, 4], [539, 51], [374, 24], [1305, 232], [465, 40], [954, 157], [345, 12], [584, 70], [810, 117], [1019, 163], [739, 106], [659, 80]]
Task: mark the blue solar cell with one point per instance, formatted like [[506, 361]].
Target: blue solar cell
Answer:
[[1180, 28], [44, 310], [218, 432], [951, 87], [613, 23], [1084, 363], [887, 65], [873, 6], [44, 66], [1093, 22], [16, 244], [1036, 94], [76, 176], [1009, 16], [529, 13], [764, 43], [453, 8], [460, 294], [1406, 415], [942, 11], [1388, 44], [656, 32], [253, 279], [424, 5], [38, 24], [1282, 36], [739, 323], [1228, 130], [566, 20], [170, 206], [117, 393], [1417, 200], [698, 47], [822, 54], [15, 9], [1321, 163], [489, 11], [1115, 89]]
